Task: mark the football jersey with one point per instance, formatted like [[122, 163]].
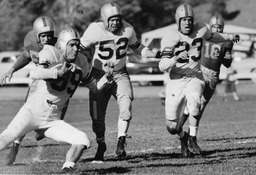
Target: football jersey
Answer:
[[32, 47], [58, 91], [215, 54], [109, 46], [192, 43]]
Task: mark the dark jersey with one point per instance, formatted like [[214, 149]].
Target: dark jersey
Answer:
[[32, 47], [215, 54]]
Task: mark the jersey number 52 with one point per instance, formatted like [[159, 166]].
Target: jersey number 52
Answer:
[[105, 46]]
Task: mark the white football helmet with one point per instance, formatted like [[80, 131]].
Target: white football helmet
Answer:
[[109, 10], [41, 25], [65, 36], [217, 20], [184, 10]]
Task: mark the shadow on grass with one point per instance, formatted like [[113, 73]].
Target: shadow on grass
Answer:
[[138, 163]]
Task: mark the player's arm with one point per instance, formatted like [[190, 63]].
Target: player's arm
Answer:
[[44, 70], [22, 61], [97, 85], [169, 58], [90, 37], [142, 50], [222, 37], [227, 59]]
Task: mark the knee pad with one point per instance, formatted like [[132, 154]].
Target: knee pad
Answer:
[[171, 127]]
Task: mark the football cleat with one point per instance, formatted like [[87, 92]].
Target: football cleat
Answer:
[[120, 152], [39, 137], [192, 143], [12, 154], [67, 170], [99, 157], [185, 153]]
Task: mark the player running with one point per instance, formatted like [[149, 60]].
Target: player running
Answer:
[[214, 55], [59, 72], [181, 57], [43, 33], [111, 39]]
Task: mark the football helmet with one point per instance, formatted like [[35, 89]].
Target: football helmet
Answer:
[[65, 36], [109, 10], [217, 20], [41, 25], [184, 10]]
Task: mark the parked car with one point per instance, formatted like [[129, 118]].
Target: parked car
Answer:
[[7, 59], [143, 71]]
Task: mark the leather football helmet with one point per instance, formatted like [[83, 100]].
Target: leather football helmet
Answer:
[[65, 36], [41, 25], [184, 10], [217, 20], [109, 10]]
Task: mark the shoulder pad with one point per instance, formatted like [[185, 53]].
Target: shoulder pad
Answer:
[[50, 54]]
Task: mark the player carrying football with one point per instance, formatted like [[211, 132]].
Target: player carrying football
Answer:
[[59, 72], [42, 34], [181, 56], [111, 39]]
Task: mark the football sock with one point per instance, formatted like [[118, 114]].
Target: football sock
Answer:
[[192, 130], [181, 134], [68, 165]]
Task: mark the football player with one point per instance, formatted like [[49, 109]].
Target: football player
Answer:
[[111, 39], [43, 33], [182, 51], [213, 56], [59, 72]]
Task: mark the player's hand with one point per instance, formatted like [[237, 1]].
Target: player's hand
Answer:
[[235, 38], [65, 70], [7, 76], [158, 54], [108, 68], [182, 56]]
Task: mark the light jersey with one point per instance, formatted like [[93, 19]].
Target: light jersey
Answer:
[[59, 91], [109, 46], [214, 54], [32, 47], [193, 43]]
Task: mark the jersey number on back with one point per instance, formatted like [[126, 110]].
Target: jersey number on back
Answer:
[[120, 45], [212, 51]]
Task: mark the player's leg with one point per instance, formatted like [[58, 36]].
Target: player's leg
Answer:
[[174, 107], [124, 96], [194, 92], [98, 107], [63, 132], [11, 156], [19, 126]]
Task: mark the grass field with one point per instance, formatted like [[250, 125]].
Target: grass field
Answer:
[[227, 135]]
